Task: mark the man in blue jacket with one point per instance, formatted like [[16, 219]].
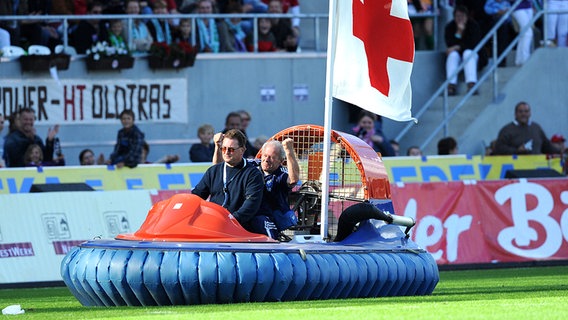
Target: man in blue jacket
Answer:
[[236, 184]]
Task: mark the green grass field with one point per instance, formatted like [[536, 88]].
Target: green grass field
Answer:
[[516, 293]]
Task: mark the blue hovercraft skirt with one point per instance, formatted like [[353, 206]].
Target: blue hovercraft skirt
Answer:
[[122, 272]]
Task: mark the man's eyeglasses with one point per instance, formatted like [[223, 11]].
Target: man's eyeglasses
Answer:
[[229, 149]]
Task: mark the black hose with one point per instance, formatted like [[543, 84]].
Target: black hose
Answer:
[[355, 214]]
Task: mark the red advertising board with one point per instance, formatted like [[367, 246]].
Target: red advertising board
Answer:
[[464, 222]]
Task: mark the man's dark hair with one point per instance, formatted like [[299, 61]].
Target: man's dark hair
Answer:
[[446, 144], [462, 8], [230, 115], [237, 135]]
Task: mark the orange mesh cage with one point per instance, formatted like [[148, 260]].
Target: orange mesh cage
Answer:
[[357, 172]]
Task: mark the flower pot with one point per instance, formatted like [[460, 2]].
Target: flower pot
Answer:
[[170, 62], [39, 63], [110, 63]]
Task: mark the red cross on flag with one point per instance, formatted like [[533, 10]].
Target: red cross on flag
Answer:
[[372, 56]]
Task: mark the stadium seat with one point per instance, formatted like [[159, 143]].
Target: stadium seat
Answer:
[[13, 51], [68, 50], [37, 49]]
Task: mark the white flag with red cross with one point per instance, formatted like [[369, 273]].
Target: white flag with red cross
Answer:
[[373, 55]]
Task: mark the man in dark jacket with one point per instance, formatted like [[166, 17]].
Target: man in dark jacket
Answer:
[[523, 136], [236, 184], [17, 141]]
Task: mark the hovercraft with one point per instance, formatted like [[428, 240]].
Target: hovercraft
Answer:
[[189, 251]]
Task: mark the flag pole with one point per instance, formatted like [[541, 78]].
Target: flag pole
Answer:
[[331, 38]]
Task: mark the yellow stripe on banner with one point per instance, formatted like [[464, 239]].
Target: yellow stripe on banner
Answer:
[[184, 176]]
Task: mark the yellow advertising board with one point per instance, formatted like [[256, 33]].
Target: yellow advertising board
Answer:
[[183, 176]]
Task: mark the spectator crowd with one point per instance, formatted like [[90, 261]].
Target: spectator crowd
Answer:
[[232, 34]]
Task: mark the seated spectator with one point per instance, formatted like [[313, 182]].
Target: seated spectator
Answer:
[[212, 36], [462, 35], [245, 122], [171, 7], [24, 134], [141, 37], [34, 158], [234, 120], [395, 146], [423, 27], [523, 136], [160, 28], [495, 9], [292, 7], [8, 8], [37, 32], [187, 6], [237, 35], [365, 130], [235, 184], [62, 7], [169, 158], [203, 151], [557, 23], [286, 38], [447, 146], [14, 122], [523, 15], [128, 148], [113, 7], [88, 32], [414, 151], [80, 7], [115, 38], [266, 39], [145, 7], [87, 158], [183, 32], [557, 140], [248, 6], [259, 142]]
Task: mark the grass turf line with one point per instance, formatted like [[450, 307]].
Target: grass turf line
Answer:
[[515, 293]]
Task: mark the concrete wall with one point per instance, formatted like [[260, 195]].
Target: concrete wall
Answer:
[[216, 85]]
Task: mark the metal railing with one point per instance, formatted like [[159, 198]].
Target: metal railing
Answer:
[[64, 20], [315, 22], [490, 70]]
